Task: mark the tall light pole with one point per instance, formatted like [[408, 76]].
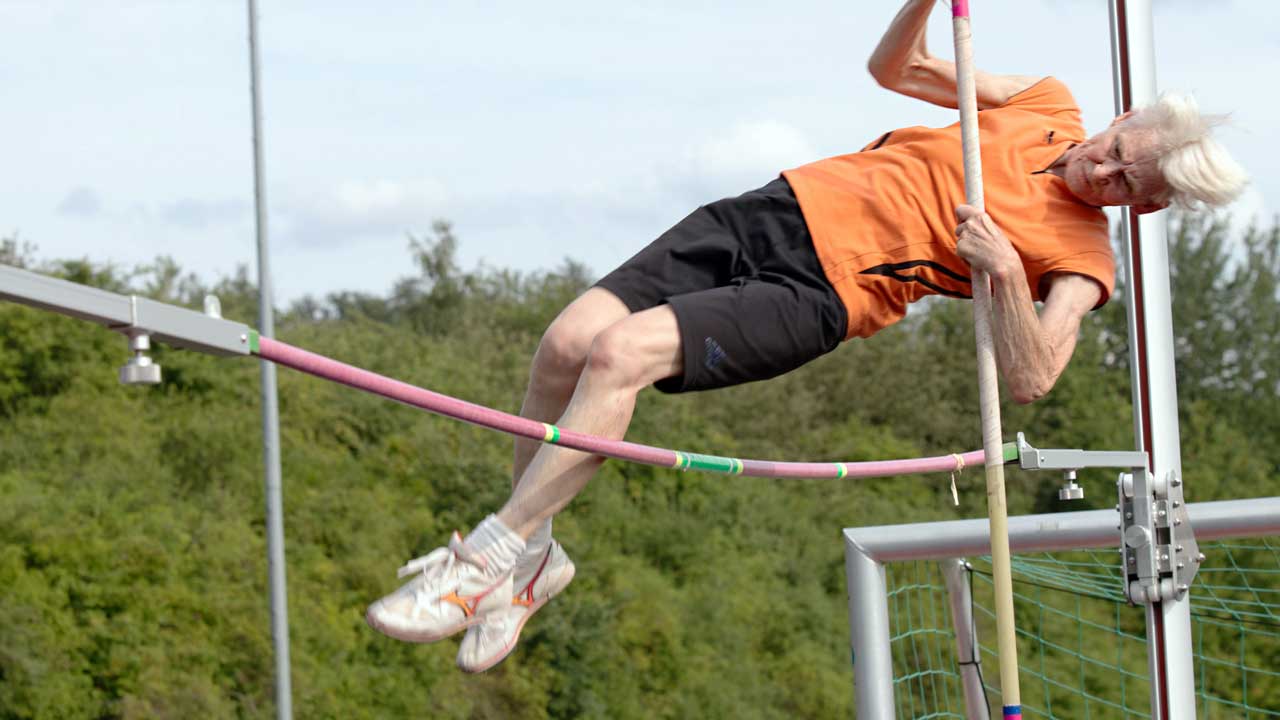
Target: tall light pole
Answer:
[[270, 407]]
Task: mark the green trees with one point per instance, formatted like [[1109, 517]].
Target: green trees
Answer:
[[132, 571]]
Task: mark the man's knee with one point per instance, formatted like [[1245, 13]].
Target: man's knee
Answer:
[[637, 351], [563, 349], [564, 346], [612, 356]]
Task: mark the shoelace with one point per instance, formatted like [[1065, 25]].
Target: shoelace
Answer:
[[437, 567], [433, 565]]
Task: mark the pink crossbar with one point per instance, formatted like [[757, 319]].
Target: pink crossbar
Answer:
[[323, 367]]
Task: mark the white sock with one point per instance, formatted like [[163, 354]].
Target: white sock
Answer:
[[535, 547], [498, 544], [538, 542]]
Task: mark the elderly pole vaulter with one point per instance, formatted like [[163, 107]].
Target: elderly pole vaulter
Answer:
[[751, 287]]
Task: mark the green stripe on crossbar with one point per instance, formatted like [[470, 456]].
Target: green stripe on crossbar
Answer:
[[253, 341], [1010, 452], [714, 463]]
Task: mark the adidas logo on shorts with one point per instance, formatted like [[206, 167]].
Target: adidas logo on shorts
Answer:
[[715, 354]]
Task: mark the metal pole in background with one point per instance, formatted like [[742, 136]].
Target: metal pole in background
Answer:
[[270, 409], [968, 655], [1155, 396]]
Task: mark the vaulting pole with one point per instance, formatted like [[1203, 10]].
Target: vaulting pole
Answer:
[[988, 382]]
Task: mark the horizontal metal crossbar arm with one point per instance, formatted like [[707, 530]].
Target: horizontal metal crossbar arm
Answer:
[[1030, 458], [167, 323], [1053, 531]]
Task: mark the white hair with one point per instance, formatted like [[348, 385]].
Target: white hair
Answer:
[[1196, 167]]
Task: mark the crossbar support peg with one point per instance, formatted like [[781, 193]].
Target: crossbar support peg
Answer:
[[1071, 490], [140, 370]]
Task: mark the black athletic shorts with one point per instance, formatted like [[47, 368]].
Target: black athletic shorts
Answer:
[[746, 286]]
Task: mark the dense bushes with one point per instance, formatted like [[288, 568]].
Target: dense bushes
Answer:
[[132, 560]]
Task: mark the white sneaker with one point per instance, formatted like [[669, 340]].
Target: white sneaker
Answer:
[[489, 642], [454, 590]]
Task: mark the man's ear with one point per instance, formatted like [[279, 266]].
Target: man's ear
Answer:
[[1122, 117], [1145, 208]]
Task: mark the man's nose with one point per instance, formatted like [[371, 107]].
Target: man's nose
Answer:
[[1104, 170]]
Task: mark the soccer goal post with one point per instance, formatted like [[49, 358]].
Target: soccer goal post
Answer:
[[869, 549]]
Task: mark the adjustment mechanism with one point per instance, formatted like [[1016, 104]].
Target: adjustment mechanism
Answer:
[[1158, 547], [140, 370]]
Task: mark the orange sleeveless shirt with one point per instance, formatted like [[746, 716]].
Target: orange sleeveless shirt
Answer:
[[883, 220]]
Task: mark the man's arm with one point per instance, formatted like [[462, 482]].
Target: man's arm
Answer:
[[902, 63], [1032, 351]]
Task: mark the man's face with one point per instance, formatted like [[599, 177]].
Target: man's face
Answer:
[[1117, 167]]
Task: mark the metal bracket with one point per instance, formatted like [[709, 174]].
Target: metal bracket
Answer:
[[1158, 547], [141, 369], [1072, 461]]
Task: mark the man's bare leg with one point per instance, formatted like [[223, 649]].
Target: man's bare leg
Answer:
[[553, 375], [625, 357], [472, 582], [558, 364]]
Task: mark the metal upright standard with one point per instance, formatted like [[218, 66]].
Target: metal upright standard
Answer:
[[1155, 398]]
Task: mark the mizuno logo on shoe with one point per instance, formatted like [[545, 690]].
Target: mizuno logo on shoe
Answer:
[[525, 597], [468, 605]]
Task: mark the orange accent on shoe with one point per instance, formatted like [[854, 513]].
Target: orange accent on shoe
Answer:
[[525, 597], [468, 606]]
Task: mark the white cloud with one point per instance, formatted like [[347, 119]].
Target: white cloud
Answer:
[[81, 202], [721, 162], [354, 211], [750, 149], [196, 213]]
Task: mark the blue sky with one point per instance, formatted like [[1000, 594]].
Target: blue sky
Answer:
[[542, 131]]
